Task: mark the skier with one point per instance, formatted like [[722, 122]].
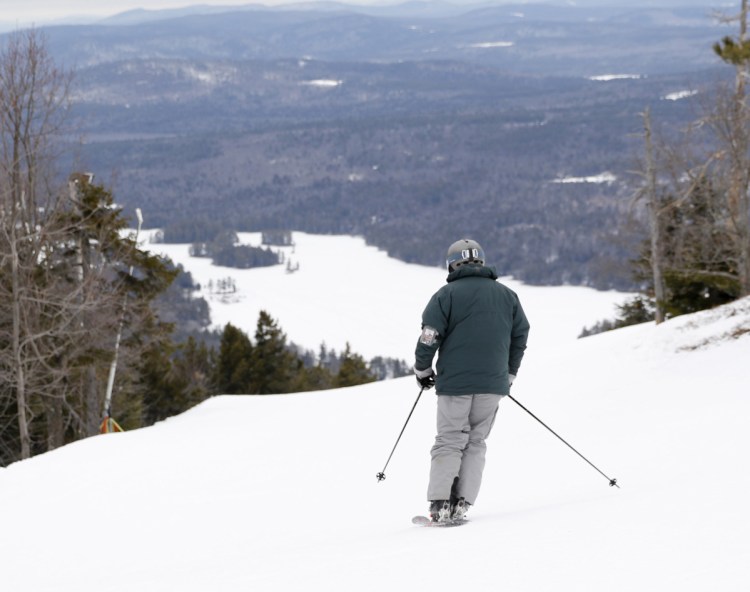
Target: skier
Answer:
[[478, 326]]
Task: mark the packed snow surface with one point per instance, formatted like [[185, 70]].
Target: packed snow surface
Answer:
[[278, 493]]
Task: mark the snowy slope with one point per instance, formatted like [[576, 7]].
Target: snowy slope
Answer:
[[212, 500]]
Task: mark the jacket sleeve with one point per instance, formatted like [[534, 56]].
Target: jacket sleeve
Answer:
[[434, 316], [518, 337]]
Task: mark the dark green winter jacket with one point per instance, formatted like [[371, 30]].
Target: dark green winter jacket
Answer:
[[481, 333]]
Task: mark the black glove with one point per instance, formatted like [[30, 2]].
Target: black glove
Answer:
[[425, 378]]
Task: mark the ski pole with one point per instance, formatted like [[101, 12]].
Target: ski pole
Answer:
[[612, 482], [381, 475]]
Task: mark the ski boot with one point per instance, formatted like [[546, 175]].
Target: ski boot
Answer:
[[440, 510], [459, 507]]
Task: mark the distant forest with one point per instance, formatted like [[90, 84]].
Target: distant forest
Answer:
[[412, 143], [412, 184]]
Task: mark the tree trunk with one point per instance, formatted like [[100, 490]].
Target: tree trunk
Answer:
[[733, 126], [654, 208], [55, 424], [23, 424], [739, 203], [92, 402]]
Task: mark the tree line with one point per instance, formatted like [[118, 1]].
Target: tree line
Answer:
[[87, 317], [267, 365], [70, 281], [178, 377], [212, 239]]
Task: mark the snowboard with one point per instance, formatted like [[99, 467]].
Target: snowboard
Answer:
[[425, 521]]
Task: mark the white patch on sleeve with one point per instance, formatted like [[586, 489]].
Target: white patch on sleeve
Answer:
[[429, 335]]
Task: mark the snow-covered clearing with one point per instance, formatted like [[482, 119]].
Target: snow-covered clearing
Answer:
[[682, 94], [611, 77], [492, 44], [605, 177], [345, 291], [216, 499], [323, 83]]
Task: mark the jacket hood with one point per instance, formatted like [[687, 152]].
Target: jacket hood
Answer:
[[472, 271]]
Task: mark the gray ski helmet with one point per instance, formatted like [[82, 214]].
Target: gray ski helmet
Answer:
[[462, 252]]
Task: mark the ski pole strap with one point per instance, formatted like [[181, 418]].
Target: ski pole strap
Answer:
[[612, 482]]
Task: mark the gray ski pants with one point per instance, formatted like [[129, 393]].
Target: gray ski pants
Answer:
[[463, 424]]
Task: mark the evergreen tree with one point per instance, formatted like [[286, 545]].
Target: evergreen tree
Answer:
[[233, 372], [701, 272], [136, 278], [353, 370], [175, 378], [195, 363], [699, 269], [275, 368], [384, 368], [314, 378], [163, 392]]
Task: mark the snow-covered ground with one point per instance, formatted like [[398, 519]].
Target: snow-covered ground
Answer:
[[610, 77], [221, 497], [605, 177], [345, 291], [682, 94]]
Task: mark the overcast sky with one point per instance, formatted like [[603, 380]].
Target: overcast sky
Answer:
[[40, 11]]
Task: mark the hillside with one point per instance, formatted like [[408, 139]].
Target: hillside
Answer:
[[585, 37], [215, 499], [396, 124]]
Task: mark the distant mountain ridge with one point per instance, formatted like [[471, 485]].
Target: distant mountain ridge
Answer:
[[427, 8], [584, 38], [432, 9]]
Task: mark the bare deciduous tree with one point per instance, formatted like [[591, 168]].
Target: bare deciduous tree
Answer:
[[732, 125], [696, 186], [655, 225], [66, 271], [33, 106]]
